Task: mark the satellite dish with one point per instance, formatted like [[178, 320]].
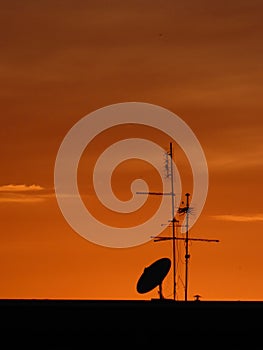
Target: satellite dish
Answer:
[[153, 276]]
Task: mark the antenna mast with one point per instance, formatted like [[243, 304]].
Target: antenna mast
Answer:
[[170, 174], [187, 255], [173, 219], [185, 210]]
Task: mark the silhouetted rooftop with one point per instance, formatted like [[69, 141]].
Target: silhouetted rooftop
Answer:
[[142, 321]]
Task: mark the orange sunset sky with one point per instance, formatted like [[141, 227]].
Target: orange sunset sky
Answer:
[[61, 60]]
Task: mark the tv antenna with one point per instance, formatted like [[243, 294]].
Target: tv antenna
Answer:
[[185, 210], [181, 210], [172, 194]]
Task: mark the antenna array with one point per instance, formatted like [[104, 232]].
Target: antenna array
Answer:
[[181, 210]]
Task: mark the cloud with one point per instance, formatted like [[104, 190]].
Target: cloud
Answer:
[[22, 193], [239, 218], [20, 188]]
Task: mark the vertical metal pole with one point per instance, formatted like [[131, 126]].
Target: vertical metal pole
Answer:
[[187, 256], [173, 221]]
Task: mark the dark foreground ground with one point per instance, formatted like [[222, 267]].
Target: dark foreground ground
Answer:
[[94, 324]]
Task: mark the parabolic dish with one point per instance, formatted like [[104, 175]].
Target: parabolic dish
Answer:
[[153, 275]]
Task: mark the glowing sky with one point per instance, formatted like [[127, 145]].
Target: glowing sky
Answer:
[[61, 60]]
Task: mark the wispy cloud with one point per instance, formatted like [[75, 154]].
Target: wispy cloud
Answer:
[[21, 193], [20, 188], [234, 160], [239, 218]]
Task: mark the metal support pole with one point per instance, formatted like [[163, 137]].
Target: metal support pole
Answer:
[[173, 222], [187, 255]]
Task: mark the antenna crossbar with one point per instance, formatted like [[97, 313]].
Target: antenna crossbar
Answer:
[[184, 239], [157, 193]]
